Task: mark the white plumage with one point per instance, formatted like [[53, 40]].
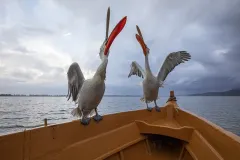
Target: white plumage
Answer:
[[150, 82], [88, 93]]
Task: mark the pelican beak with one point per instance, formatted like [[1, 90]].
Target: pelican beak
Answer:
[[141, 42], [118, 28]]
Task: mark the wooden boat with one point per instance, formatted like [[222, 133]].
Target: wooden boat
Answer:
[[169, 135]]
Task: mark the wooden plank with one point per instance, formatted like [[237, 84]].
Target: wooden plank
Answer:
[[182, 133], [101, 146], [52, 138], [227, 145], [182, 151], [12, 147], [199, 148]]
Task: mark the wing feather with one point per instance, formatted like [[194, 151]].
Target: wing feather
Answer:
[[137, 70], [75, 81], [171, 61]]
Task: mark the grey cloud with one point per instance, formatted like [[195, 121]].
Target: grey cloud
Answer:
[[21, 49], [36, 31], [19, 87], [203, 28], [32, 66], [22, 74], [183, 22], [24, 59], [218, 83], [234, 55]]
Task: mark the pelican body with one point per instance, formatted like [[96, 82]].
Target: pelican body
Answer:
[[151, 83], [88, 93]]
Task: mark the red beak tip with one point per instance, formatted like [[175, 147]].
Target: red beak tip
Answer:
[[123, 21], [115, 32]]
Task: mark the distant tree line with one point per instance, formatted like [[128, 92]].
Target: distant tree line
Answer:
[[32, 95], [46, 95]]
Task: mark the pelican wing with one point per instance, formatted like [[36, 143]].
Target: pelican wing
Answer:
[[137, 70], [171, 61], [75, 81]]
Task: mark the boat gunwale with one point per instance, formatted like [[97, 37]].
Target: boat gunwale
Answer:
[[68, 122], [233, 136], [230, 143]]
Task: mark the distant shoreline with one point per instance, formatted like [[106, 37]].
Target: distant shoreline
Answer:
[[33, 95], [233, 92]]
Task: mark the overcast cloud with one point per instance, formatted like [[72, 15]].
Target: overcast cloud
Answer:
[[40, 39]]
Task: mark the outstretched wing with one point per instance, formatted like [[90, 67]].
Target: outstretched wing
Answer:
[[75, 81], [137, 70], [171, 61]]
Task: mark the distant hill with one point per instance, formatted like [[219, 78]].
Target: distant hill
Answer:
[[233, 92]]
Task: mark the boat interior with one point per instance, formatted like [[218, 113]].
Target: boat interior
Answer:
[[168, 135]]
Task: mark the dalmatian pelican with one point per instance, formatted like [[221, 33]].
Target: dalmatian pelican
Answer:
[[87, 94], [151, 83]]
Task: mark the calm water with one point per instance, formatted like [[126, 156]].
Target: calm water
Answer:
[[19, 113]]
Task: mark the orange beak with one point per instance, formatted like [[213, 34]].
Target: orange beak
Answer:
[[144, 47], [118, 28]]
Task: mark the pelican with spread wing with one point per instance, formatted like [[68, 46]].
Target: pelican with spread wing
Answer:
[[88, 93], [150, 82]]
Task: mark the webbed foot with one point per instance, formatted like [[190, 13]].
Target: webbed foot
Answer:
[[149, 109], [97, 118], [157, 109], [85, 121]]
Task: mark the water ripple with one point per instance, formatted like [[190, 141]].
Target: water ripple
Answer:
[[18, 113]]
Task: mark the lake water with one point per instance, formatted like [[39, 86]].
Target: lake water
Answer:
[[19, 113]]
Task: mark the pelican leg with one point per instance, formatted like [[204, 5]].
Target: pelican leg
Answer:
[[97, 117], [85, 120], [148, 108], [156, 107]]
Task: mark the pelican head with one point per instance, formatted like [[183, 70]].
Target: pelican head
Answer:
[[104, 50]]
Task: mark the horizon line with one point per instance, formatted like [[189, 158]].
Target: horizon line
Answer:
[[8, 94]]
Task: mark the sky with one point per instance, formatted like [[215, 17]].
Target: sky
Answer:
[[40, 39]]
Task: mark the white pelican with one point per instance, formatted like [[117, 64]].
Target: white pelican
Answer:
[[88, 93], [150, 82]]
